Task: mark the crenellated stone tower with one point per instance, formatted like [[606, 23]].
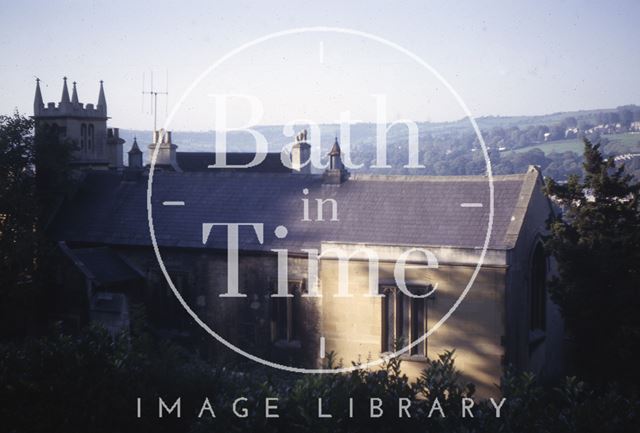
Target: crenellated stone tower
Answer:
[[85, 124]]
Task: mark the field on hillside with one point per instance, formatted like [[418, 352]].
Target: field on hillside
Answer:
[[627, 142]]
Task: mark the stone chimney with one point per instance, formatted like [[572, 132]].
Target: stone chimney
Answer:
[[300, 155], [166, 158], [114, 148], [335, 174]]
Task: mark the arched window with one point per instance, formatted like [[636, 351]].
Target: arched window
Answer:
[[404, 319], [83, 136], [90, 137], [538, 289], [287, 315]]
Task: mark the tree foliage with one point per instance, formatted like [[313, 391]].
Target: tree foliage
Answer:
[[596, 242], [18, 218], [27, 196]]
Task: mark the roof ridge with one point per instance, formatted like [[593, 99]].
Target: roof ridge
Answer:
[[206, 152], [369, 177], [436, 178]]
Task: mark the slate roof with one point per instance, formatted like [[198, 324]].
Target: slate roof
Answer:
[[199, 161], [380, 210]]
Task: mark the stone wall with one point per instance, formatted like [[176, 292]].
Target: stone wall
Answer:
[[352, 326]]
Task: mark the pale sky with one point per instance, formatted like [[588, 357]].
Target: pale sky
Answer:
[[502, 57]]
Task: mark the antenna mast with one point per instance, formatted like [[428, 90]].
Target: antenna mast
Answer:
[[154, 96]]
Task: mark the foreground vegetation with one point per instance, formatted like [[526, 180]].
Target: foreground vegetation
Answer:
[[90, 382]]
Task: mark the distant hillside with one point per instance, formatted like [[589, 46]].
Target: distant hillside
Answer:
[[365, 132], [552, 141]]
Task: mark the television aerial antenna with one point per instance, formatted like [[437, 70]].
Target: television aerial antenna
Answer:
[[153, 95]]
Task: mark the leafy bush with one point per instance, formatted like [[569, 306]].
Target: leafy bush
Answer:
[[90, 383]]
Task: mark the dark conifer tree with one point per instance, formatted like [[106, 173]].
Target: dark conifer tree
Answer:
[[596, 243]]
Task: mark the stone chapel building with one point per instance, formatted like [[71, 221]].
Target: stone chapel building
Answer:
[[109, 264]]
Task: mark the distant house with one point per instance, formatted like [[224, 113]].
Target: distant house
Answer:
[[505, 319], [571, 133], [608, 128]]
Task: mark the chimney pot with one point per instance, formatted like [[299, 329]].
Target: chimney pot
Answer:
[[301, 154]]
